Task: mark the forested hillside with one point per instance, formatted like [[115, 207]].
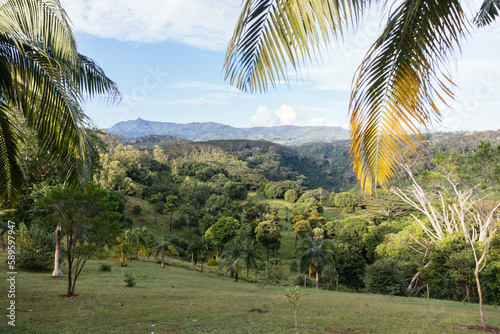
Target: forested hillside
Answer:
[[171, 201]]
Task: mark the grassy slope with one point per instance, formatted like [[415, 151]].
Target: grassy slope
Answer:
[[175, 300]]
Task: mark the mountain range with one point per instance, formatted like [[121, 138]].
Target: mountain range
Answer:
[[285, 134]]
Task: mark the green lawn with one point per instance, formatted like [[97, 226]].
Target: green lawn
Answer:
[[176, 300]]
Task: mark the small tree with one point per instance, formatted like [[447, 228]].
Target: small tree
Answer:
[[201, 249], [223, 231], [171, 204], [291, 196], [346, 201], [232, 259], [268, 234], [293, 297], [165, 246], [464, 215], [315, 254], [88, 219], [251, 254]]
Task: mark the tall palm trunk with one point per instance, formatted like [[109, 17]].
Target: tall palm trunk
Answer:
[[57, 258]]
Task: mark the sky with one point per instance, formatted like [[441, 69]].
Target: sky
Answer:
[[167, 57]]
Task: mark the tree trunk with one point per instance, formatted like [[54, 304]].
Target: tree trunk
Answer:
[[467, 295], [480, 294], [266, 270], [296, 237], [201, 266], [192, 260], [317, 279], [236, 275], [295, 316], [305, 281], [70, 267], [248, 271], [162, 257], [57, 258]]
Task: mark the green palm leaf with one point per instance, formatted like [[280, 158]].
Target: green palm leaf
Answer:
[[399, 84], [47, 80], [272, 34], [487, 13]]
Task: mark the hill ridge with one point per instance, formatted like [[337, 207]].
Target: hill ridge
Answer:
[[204, 131]]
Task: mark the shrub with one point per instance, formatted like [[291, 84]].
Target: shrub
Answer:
[[136, 209], [294, 266], [105, 267], [129, 280], [36, 250], [291, 196], [385, 277]]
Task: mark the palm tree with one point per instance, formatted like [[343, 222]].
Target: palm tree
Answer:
[[45, 81], [315, 254], [397, 87], [201, 249], [251, 254], [232, 259], [165, 246]]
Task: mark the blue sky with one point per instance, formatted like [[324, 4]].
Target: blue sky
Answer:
[[166, 57]]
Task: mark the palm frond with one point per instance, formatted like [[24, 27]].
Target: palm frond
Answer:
[[11, 175], [487, 13], [270, 34], [399, 84]]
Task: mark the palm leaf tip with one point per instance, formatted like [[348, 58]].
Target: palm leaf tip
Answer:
[[488, 13]]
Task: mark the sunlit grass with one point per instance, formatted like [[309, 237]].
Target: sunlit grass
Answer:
[[176, 300]]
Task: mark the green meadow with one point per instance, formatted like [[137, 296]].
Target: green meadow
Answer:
[[180, 300]]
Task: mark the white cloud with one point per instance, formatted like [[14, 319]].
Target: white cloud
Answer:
[[199, 23], [287, 115]]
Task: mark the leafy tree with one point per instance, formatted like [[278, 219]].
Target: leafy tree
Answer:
[[302, 228], [398, 85], [350, 265], [189, 211], [346, 201], [46, 80], [36, 250], [223, 231], [216, 204], [314, 255], [251, 254], [291, 196], [201, 248], [269, 235], [171, 204], [87, 218], [385, 277], [158, 203]]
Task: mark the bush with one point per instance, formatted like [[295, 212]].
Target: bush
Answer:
[[36, 250], [294, 266], [129, 280], [346, 201], [136, 209], [385, 277], [299, 280], [291, 196], [105, 267]]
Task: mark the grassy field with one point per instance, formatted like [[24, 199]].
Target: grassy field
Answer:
[[176, 300]]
